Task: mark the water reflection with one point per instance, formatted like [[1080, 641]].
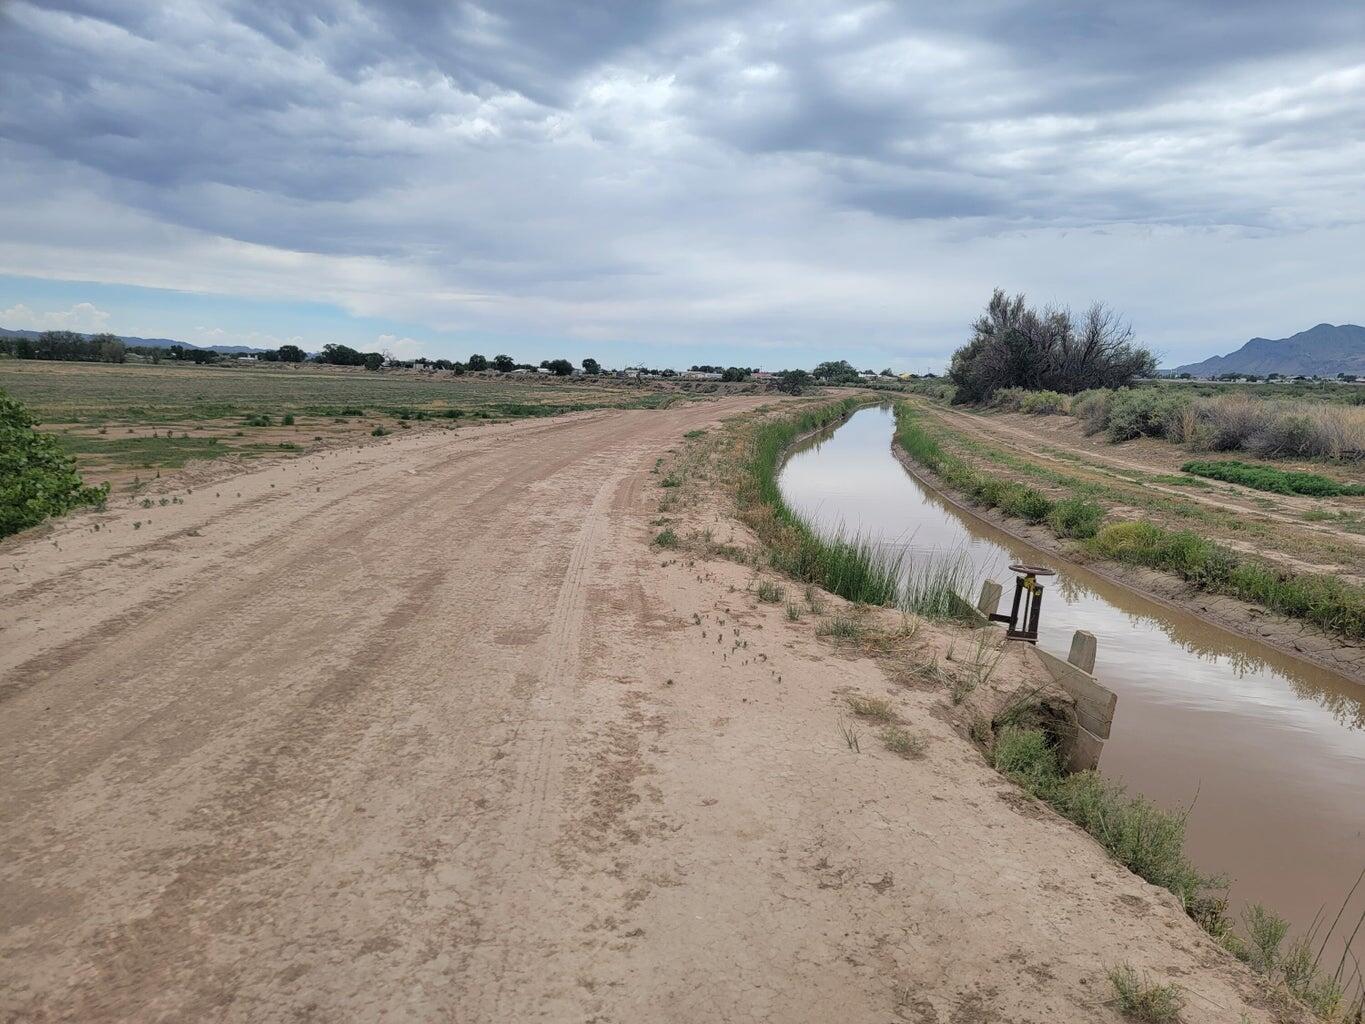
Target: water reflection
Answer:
[[1274, 747]]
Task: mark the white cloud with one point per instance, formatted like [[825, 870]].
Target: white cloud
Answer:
[[790, 177], [83, 317]]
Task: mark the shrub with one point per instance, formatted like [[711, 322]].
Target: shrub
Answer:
[[288, 419], [1092, 409], [37, 479], [1143, 999], [378, 432], [1268, 478], [900, 740], [1147, 412], [1044, 403], [1076, 518], [260, 419], [666, 538]]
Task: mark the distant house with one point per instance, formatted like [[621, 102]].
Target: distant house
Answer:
[[248, 358], [699, 375]]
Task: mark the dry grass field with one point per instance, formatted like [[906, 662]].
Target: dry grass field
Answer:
[[127, 423]]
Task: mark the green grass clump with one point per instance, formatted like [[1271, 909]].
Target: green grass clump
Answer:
[[769, 592], [37, 478], [260, 419], [287, 419], [934, 586], [841, 627], [1141, 999], [1077, 518], [1268, 478], [379, 432], [666, 538]]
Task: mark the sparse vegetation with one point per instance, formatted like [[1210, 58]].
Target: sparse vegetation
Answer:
[[666, 538], [1139, 998], [878, 708], [841, 627], [901, 741], [769, 592]]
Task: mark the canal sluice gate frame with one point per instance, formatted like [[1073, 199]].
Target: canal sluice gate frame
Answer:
[[1095, 703]]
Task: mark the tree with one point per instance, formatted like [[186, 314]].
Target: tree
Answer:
[[793, 381], [1046, 350], [559, 367], [888, 372], [108, 348], [373, 360], [504, 364], [341, 355], [592, 366], [292, 354], [836, 372], [477, 362], [734, 374]]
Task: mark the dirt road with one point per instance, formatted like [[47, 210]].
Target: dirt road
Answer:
[[425, 731]]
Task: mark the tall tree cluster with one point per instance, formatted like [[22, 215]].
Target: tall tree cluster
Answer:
[[1014, 346]]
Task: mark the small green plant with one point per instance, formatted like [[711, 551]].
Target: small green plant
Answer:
[[900, 740], [878, 708], [769, 592], [287, 419], [666, 538], [1141, 999], [793, 612], [259, 419], [671, 480], [378, 432]]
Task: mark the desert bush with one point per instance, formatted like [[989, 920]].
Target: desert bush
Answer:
[[666, 538], [37, 479], [1092, 409], [1044, 403], [1049, 349], [1147, 412]]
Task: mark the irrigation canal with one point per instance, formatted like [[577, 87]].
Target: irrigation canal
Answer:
[[1272, 748]]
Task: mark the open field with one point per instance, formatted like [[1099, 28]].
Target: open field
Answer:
[[438, 728], [125, 423]]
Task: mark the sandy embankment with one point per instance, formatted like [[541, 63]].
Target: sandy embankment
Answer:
[[423, 730]]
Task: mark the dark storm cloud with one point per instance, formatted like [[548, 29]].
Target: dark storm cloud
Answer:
[[589, 161]]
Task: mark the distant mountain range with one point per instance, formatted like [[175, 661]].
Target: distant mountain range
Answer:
[[1322, 351], [232, 350]]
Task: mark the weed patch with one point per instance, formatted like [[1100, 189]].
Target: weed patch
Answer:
[[1277, 481]]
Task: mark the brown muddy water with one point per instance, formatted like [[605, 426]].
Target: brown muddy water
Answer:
[[1268, 749]]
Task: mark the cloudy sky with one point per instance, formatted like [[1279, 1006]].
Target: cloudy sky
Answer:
[[678, 182]]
